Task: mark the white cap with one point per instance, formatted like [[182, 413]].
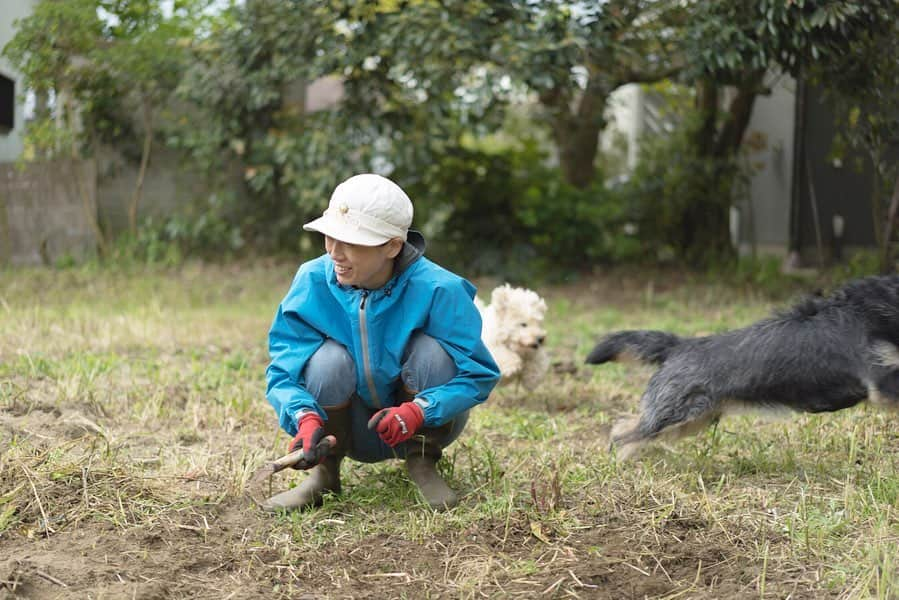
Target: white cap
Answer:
[[367, 210]]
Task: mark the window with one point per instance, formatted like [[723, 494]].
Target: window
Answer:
[[7, 104]]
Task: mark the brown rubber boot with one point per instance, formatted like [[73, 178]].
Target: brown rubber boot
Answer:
[[421, 462], [323, 478]]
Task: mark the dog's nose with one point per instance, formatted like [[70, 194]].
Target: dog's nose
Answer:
[[540, 340]]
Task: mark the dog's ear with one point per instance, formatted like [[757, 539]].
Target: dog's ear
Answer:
[[499, 300], [500, 294]]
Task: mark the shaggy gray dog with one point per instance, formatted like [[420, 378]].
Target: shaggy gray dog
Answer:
[[824, 354]]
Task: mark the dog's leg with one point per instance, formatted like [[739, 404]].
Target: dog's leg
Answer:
[[508, 362], [668, 417], [534, 370]]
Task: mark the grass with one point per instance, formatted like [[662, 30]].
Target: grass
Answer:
[[132, 415]]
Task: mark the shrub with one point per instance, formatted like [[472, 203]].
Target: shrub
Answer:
[[505, 212], [680, 200]]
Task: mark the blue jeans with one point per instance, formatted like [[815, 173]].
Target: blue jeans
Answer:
[[331, 378]]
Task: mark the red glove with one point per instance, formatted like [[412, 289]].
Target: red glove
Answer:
[[310, 431], [397, 424]]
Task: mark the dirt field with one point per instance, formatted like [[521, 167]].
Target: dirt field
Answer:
[[132, 415]]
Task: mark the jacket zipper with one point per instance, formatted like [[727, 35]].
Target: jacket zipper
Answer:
[[366, 359]]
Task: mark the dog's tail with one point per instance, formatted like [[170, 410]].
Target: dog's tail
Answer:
[[646, 346]]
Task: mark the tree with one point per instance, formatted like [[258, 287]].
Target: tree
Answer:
[[144, 60], [736, 44], [571, 56], [418, 77], [478, 56], [250, 129]]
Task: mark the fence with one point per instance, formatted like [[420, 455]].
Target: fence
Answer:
[[47, 211]]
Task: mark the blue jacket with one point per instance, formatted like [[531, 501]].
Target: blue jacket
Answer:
[[421, 296]]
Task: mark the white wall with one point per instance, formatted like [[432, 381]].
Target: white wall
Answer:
[[624, 115], [10, 10], [767, 224]]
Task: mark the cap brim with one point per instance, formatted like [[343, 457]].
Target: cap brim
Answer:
[[344, 232]]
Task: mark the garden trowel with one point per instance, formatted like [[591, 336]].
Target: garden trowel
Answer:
[[294, 459]]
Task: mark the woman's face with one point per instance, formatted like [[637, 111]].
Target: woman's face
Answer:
[[367, 267]]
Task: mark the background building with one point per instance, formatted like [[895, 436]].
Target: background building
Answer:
[[12, 110]]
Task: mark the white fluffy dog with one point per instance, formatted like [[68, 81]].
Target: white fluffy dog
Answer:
[[513, 332]]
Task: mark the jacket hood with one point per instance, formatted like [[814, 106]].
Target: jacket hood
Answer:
[[413, 249]]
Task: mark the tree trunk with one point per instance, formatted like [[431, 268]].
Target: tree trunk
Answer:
[[707, 105], [144, 160], [577, 134], [88, 204], [577, 153], [738, 115], [705, 226]]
